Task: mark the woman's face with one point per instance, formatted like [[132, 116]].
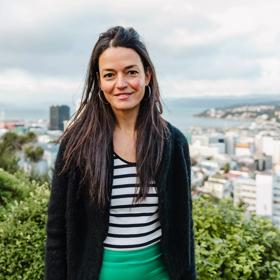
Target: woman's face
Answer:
[[122, 78]]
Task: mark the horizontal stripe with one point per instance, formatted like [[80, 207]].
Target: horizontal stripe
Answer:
[[130, 189], [134, 225], [132, 246], [129, 235], [131, 224], [133, 210], [132, 220], [121, 166], [118, 162], [128, 201], [124, 186], [133, 240], [134, 230], [132, 195], [124, 176], [129, 206], [122, 181], [125, 170], [131, 215]]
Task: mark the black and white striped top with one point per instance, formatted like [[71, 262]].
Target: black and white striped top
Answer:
[[131, 226]]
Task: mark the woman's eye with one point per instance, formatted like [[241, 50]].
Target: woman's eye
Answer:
[[132, 72], [108, 75]]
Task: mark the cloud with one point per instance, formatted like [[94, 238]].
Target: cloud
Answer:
[[198, 47], [23, 89]]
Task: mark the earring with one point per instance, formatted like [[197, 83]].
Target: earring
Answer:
[[101, 98], [150, 92]]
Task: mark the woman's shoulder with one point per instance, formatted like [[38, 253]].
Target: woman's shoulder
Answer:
[[62, 143], [176, 133]]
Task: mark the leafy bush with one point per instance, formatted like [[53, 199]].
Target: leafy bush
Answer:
[[33, 153], [12, 188], [8, 159], [230, 245], [11, 142], [22, 232]]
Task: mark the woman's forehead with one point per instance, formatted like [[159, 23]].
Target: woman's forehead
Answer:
[[116, 57]]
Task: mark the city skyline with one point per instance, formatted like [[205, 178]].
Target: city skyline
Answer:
[[198, 48]]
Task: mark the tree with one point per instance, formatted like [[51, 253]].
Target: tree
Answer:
[[226, 167], [32, 153], [8, 145], [12, 142], [29, 137]]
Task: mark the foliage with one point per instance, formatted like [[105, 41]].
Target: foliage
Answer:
[[22, 231], [11, 142], [40, 178], [12, 188], [226, 167], [8, 159], [29, 137], [231, 245], [33, 153]]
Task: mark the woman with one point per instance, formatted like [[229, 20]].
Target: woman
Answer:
[[120, 205]]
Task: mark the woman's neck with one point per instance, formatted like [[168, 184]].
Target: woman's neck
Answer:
[[125, 122]]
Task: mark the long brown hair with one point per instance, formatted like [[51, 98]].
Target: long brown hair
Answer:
[[89, 136]]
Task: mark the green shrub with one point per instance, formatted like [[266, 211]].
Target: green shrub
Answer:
[[8, 159], [22, 235], [230, 245], [12, 187], [33, 153]]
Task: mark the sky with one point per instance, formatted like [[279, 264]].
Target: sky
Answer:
[[199, 47]]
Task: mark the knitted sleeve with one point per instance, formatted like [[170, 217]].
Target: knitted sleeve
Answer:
[[55, 249], [192, 273]]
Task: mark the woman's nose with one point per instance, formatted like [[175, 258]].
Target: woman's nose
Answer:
[[121, 81]]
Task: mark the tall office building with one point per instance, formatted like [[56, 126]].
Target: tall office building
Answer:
[[58, 114]]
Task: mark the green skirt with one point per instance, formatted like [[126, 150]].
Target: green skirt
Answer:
[[141, 264]]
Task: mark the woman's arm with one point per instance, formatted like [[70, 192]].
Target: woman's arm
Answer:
[[55, 250], [191, 237]]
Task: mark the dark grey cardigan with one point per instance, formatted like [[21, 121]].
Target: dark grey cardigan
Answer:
[[76, 228]]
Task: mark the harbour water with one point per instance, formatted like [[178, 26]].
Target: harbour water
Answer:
[[179, 111]]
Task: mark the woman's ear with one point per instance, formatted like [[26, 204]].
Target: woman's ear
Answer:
[[148, 76]]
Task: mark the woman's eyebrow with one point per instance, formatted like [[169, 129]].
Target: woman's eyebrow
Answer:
[[126, 68], [130, 66]]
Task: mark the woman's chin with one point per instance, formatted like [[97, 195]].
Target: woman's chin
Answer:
[[125, 107]]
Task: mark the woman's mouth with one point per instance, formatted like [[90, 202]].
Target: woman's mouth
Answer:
[[122, 96]]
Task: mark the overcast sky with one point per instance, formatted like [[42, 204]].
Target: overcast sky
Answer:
[[199, 47]]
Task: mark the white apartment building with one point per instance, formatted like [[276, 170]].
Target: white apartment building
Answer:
[[200, 150], [276, 154], [219, 186], [260, 195], [200, 140], [276, 201], [268, 196], [269, 145], [245, 192], [231, 139], [217, 140], [243, 149], [213, 142]]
